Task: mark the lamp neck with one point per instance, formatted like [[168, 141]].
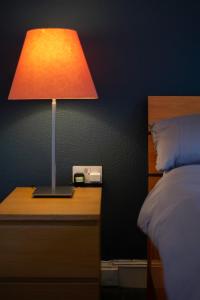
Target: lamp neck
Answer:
[[53, 146]]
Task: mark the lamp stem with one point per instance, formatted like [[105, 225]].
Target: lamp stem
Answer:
[[53, 191], [53, 147]]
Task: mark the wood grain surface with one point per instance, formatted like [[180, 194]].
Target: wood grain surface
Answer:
[[20, 205]]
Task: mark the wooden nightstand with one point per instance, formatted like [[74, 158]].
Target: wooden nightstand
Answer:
[[50, 248]]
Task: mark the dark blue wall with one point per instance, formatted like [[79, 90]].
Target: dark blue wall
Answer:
[[134, 48]]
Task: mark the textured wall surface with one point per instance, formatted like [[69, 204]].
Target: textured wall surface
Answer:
[[134, 48]]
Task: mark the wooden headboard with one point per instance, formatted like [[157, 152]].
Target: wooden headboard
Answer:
[[164, 107]]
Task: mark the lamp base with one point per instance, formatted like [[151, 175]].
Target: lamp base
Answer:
[[59, 192]]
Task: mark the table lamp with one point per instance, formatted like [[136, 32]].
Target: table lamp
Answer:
[[52, 65]]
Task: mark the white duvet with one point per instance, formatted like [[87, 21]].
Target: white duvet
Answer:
[[170, 216]]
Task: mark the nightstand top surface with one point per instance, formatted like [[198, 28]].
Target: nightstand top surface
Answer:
[[19, 205]]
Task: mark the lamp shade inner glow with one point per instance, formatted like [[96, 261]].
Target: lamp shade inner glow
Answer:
[[52, 65]]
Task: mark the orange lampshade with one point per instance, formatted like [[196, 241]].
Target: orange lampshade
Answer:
[[52, 65]]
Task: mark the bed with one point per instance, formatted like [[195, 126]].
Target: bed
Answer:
[[174, 198]]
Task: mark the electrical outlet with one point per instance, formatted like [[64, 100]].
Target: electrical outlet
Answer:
[[93, 174]]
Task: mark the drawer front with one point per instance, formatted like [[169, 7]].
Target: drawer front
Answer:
[[60, 250], [49, 291]]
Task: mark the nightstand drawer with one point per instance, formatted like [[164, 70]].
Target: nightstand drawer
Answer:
[[49, 249], [50, 291]]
